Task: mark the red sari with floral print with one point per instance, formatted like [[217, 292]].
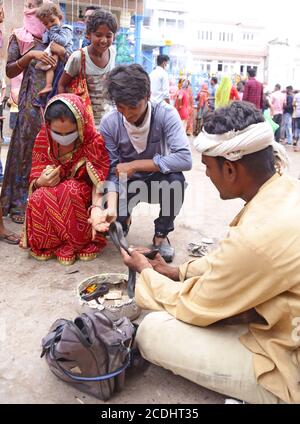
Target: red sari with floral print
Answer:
[[57, 217]]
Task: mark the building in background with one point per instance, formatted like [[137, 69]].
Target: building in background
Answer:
[[221, 48], [283, 64], [169, 20], [198, 47], [227, 48]]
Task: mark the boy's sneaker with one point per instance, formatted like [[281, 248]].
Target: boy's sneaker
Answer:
[[165, 249]]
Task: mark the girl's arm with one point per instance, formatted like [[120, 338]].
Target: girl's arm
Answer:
[[72, 69], [64, 82]]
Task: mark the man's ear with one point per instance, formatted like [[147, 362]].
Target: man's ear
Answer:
[[88, 36], [230, 170]]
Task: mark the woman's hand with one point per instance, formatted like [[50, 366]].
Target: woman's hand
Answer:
[[135, 261], [58, 49], [43, 57], [50, 177], [101, 219]]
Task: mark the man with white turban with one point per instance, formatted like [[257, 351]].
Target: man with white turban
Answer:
[[230, 321]]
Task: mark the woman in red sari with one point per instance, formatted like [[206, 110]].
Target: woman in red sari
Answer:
[[69, 166], [190, 121]]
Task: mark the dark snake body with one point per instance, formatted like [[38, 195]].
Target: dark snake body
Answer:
[[117, 236]]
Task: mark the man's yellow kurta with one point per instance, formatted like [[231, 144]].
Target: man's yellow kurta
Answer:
[[256, 266]]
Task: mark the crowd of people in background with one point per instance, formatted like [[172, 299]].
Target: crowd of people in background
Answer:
[[84, 71], [281, 107]]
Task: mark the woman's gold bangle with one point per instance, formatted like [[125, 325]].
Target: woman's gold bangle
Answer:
[[36, 185]]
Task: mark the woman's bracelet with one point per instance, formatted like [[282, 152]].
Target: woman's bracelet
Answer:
[[19, 66], [36, 186], [94, 206]]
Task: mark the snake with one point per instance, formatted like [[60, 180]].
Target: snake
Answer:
[[117, 237]]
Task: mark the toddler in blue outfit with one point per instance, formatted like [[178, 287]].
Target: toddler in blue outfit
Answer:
[[51, 16]]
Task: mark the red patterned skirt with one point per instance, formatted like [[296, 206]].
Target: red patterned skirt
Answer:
[[57, 223]]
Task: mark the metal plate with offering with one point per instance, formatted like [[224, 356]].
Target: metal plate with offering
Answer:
[[108, 293]]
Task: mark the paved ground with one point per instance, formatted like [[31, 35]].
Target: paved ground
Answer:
[[35, 294]]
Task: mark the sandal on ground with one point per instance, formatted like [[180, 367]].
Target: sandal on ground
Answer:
[[87, 257], [42, 257], [17, 218], [66, 261], [165, 249], [10, 238]]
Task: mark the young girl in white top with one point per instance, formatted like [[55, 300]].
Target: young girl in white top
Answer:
[[99, 59]]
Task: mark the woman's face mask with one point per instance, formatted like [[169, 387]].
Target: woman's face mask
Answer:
[[64, 140]]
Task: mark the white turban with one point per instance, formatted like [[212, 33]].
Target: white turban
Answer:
[[233, 145]]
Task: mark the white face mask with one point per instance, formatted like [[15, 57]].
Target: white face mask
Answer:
[[65, 140]]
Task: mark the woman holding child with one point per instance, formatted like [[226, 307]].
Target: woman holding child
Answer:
[[69, 167], [25, 50]]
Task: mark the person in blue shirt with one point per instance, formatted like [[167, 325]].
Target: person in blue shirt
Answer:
[[148, 151]]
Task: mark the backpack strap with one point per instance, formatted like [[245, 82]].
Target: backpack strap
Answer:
[[82, 64], [53, 336], [97, 378]]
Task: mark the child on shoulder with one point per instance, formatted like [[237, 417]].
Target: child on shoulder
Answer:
[[51, 16]]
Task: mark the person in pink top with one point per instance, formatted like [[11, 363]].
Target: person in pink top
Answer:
[[182, 103], [277, 104]]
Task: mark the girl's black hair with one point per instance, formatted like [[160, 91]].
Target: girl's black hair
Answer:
[[101, 17], [58, 110]]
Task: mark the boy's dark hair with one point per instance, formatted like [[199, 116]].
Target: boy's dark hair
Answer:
[[128, 84], [278, 87], [162, 58], [101, 17], [58, 110], [252, 72], [47, 10], [214, 79], [238, 116]]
